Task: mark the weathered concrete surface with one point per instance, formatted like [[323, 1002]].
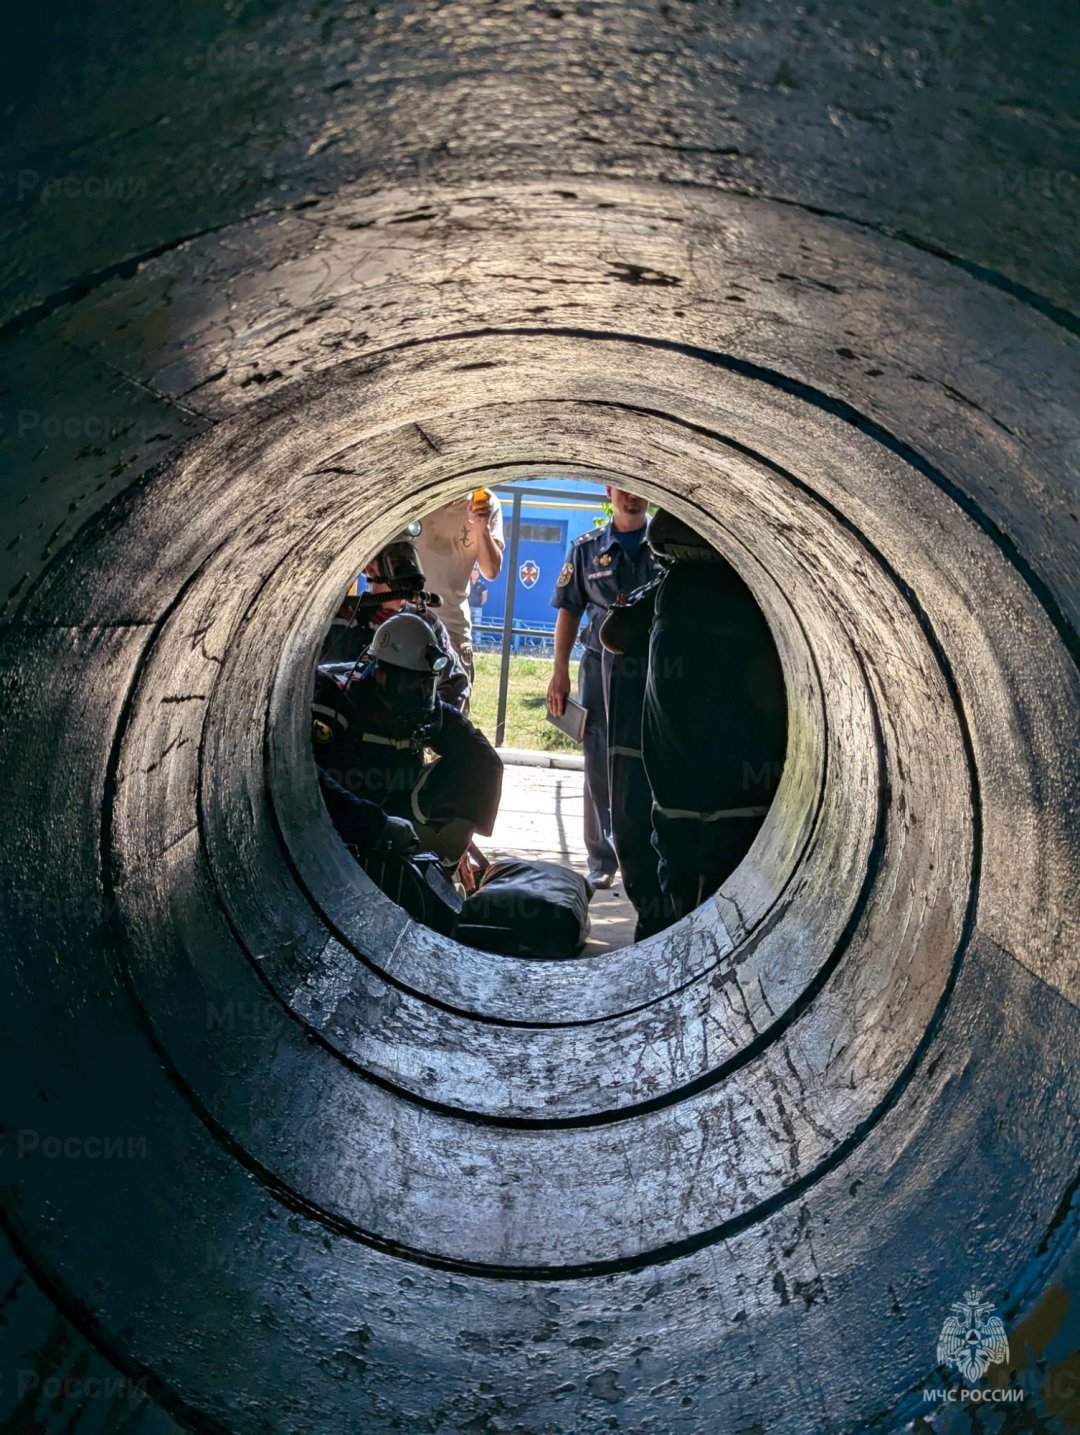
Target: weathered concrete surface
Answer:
[[273, 1159]]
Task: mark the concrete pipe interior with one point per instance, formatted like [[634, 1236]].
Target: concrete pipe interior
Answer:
[[276, 1159]]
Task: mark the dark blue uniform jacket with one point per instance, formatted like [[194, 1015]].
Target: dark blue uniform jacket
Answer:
[[596, 571]]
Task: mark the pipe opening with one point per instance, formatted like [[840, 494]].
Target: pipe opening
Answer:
[[709, 701]]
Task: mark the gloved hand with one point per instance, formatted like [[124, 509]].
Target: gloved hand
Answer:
[[399, 836]]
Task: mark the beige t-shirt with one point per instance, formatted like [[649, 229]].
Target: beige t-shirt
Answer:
[[447, 553]]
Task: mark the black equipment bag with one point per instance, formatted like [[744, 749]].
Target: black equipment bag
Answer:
[[418, 884], [527, 909]]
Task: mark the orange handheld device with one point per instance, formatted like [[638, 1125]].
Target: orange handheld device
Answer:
[[480, 495]]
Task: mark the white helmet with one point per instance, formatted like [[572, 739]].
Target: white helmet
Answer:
[[406, 641]]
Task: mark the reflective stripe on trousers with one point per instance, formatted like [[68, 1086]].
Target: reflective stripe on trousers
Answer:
[[718, 816]]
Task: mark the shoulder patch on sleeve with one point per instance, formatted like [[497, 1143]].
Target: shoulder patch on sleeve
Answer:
[[566, 572]]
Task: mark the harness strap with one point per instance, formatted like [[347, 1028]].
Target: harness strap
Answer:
[[414, 796]]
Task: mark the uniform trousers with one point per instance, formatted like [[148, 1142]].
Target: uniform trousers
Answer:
[[630, 794], [598, 843]]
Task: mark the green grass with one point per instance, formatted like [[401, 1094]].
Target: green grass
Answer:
[[526, 703]]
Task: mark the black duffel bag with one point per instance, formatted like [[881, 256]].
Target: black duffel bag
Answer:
[[527, 909], [419, 884]]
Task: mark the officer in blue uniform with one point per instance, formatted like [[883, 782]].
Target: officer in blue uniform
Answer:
[[600, 565]]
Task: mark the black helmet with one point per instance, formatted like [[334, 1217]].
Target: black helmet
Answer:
[[674, 541], [398, 565]]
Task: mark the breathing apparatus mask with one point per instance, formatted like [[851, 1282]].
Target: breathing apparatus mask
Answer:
[[396, 568], [411, 696]]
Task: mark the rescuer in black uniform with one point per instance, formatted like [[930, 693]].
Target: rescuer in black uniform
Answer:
[[599, 566], [395, 584], [624, 634], [714, 728], [371, 726]]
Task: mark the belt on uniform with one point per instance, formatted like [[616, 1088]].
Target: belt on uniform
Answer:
[[617, 751]]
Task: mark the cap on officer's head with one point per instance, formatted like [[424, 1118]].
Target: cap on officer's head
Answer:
[[405, 641]]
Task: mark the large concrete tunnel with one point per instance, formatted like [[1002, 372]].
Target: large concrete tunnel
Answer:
[[277, 1160]]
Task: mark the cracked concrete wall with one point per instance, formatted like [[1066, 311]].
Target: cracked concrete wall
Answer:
[[274, 1159]]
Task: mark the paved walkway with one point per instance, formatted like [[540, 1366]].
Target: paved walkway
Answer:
[[541, 817]]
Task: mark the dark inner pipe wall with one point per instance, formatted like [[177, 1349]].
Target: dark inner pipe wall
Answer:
[[274, 1158]]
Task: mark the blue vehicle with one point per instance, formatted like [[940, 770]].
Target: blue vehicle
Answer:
[[551, 513]]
